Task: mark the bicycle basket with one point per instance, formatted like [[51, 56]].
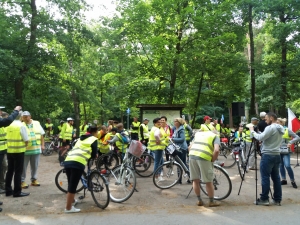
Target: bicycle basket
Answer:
[[136, 148], [172, 148]]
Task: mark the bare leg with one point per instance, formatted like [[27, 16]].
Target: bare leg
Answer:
[[210, 189], [196, 187], [70, 200]]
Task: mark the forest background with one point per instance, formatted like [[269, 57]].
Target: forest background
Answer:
[[205, 54]]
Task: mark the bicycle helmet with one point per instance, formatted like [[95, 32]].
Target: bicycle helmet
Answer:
[[61, 121], [70, 119]]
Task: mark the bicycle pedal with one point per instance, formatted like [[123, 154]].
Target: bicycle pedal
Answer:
[[81, 197]]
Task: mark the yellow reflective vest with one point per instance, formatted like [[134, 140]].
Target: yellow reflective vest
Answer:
[[135, 127], [82, 132], [152, 141], [47, 125], [82, 151], [119, 143], [3, 145], [145, 131], [104, 145], [34, 142], [66, 132], [286, 134], [207, 127], [203, 146], [15, 143]]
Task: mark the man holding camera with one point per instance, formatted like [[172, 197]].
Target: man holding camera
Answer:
[[269, 165]]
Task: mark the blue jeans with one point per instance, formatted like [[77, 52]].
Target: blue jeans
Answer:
[[285, 162], [269, 166], [158, 160]]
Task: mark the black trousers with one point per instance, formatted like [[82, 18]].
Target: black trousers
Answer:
[[135, 136], [73, 176], [15, 168]]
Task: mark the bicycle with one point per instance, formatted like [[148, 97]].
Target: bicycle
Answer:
[[239, 152], [175, 167], [92, 181], [51, 146]]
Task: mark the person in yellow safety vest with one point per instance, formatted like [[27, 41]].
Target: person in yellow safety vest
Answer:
[[207, 124], [288, 138], [61, 123], [167, 132], [49, 127], [66, 136], [157, 145], [101, 134], [217, 125], [239, 134], [110, 125], [83, 128], [34, 148], [251, 160], [135, 129], [17, 141], [85, 148], [5, 120], [119, 139], [228, 130], [144, 132], [203, 151], [188, 132], [104, 144]]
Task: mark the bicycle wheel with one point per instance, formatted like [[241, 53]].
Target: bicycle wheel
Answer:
[[48, 149], [241, 164], [228, 157], [172, 173], [144, 166], [99, 189], [61, 181], [107, 161], [122, 183], [221, 183]]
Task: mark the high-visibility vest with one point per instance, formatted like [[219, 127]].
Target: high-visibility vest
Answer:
[[218, 127], [207, 127], [82, 151], [152, 141], [247, 138], [238, 136], [165, 135], [47, 125], [82, 132], [186, 133], [203, 146], [104, 145], [15, 143], [67, 131], [3, 145], [135, 125], [34, 142], [145, 131], [59, 128], [286, 134], [119, 143]]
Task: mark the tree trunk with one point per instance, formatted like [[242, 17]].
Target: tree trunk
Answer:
[[28, 55], [198, 99], [251, 62], [283, 72]]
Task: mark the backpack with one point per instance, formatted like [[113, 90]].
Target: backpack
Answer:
[[125, 138]]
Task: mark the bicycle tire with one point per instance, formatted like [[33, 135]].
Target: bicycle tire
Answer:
[[61, 181], [172, 173], [99, 189], [121, 185], [111, 162], [221, 182], [229, 160], [47, 151], [144, 166], [241, 166]]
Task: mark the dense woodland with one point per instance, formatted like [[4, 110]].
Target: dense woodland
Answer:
[[205, 54]]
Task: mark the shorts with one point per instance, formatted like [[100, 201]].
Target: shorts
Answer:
[[201, 169], [73, 176]]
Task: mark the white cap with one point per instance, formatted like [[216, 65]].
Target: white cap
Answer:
[[2, 107], [69, 119], [262, 114], [26, 113]]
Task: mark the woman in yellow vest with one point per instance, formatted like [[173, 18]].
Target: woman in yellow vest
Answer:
[[119, 139], [285, 153], [157, 145], [83, 129], [85, 148]]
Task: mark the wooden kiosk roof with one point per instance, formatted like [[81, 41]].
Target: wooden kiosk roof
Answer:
[[161, 106]]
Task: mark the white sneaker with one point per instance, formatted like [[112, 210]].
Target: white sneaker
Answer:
[[172, 173], [160, 179], [162, 174], [72, 210]]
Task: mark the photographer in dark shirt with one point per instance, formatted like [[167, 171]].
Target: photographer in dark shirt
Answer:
[[262, 123]]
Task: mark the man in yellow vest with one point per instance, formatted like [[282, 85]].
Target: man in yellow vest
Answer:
[[251, 160], [66, 135], [34, 148], [83, 128], [4, 122], [144, 132], [135, 129], [49, 127], [207, 124], [204, 150], [17, 141]]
